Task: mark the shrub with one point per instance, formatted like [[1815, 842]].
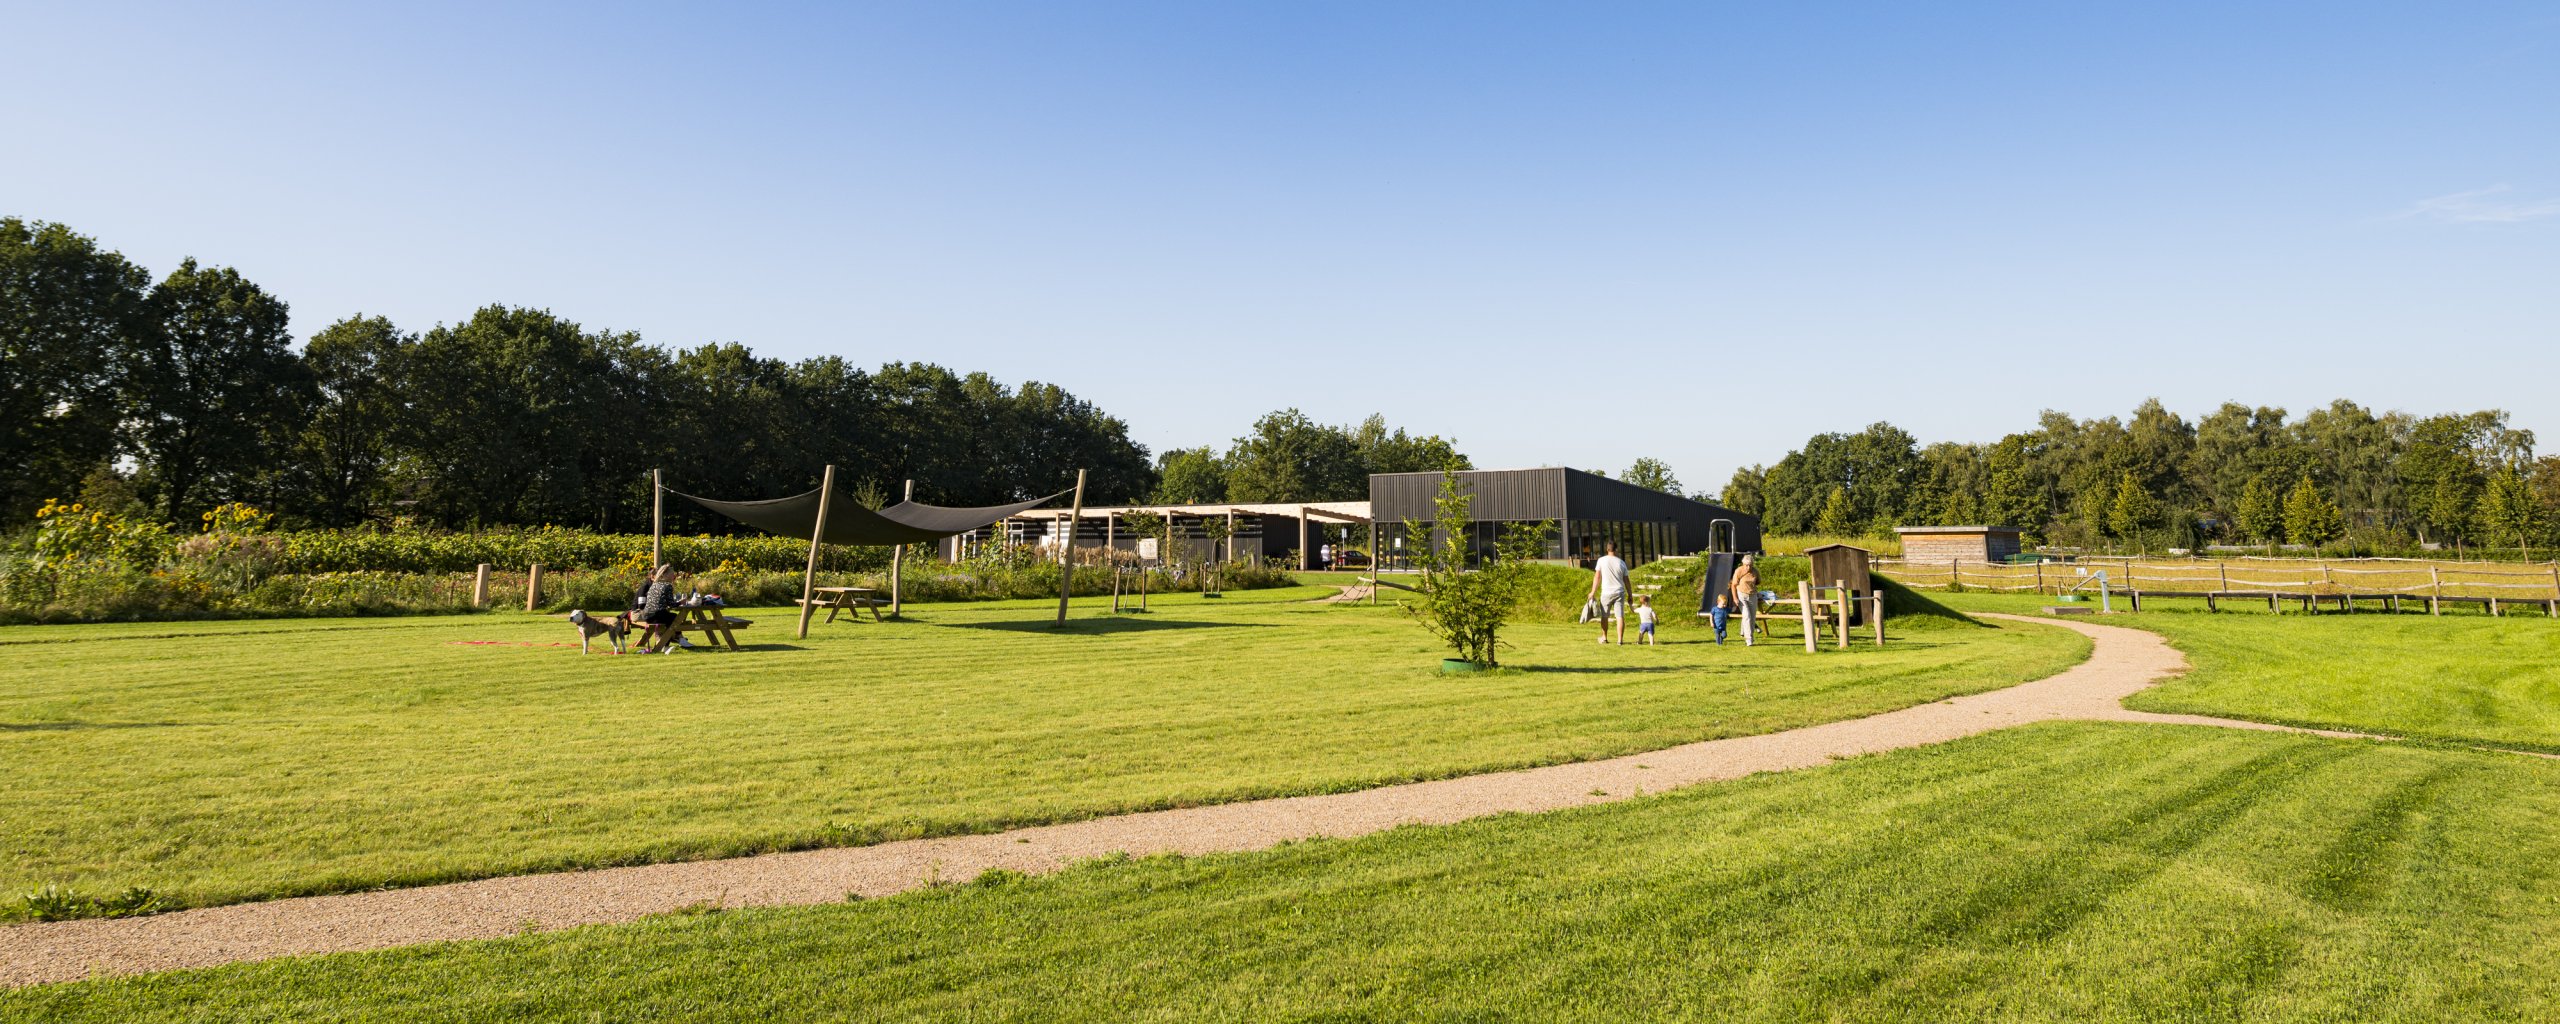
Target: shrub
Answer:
[[63, 903], [1467, 609]]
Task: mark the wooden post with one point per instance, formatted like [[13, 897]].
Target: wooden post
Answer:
[[2224, 568], [480, 588], [1231, 535], [657, 516], [2435, 602], [1843, 630], [1955, 575], [1804, 610], [533, 587], [897, 558], [1066, 551], [1377, 563], [809, 577], [1879, 615], [2039, 579], [1303, 557]]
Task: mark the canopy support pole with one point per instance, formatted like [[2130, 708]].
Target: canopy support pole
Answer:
[[898, 555], [809, 579], [657, 515], [1066, 550]]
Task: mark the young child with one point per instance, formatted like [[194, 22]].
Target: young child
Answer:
[[1718, 615], [1644, 620]]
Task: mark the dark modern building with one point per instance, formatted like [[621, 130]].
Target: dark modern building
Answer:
[[1587, 510]]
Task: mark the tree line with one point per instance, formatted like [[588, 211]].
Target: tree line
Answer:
[[2342, 474], [177, 395], [188, 392], [1288, 456]]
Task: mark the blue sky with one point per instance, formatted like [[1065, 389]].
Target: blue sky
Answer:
[[1563, 234]]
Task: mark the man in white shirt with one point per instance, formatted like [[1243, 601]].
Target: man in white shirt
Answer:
[[1609, 592]]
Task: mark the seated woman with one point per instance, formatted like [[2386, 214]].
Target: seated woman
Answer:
[[654, 608]]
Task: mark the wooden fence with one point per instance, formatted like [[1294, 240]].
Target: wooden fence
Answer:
[[2344, 580]]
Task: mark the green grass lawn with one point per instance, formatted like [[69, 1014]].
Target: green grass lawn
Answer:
[[218, 762], [2463, 678], [2054, 872]]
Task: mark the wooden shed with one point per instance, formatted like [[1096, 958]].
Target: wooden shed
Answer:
[[1939, 544], [1842, 563]]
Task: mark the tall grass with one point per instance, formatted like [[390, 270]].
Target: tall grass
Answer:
[[1882, 547]]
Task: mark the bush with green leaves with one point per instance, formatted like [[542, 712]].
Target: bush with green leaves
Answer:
[[1466, 608]]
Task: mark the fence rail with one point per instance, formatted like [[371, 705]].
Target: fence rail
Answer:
[[2332, 578]]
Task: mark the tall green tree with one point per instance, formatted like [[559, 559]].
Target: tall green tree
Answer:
[[1744, 492], [1838, 517], [2010, 497], [1289, 457], [1385, 451], [2133, 511], [1188, 476], [69, 314], [524, 417], [1652, 474], [1874, 470], [2310, 518], [343, 454], [215, 397], [2237, 446], [2260, 515], [2509, 510]]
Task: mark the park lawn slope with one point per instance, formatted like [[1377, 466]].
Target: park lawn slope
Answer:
[[2066, 871], [2462, 678], [222, 762]]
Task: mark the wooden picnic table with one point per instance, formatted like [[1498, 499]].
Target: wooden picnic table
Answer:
[[712, 621], [853, 599]]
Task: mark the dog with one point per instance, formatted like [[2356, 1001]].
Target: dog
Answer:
[[590, 627]]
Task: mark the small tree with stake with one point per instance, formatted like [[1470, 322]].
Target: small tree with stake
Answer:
[[1217, 530], [1467, 609]]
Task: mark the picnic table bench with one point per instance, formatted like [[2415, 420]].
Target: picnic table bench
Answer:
[[712, 621], [852, 599]]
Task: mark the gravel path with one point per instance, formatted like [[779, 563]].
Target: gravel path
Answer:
[[2122, 662]]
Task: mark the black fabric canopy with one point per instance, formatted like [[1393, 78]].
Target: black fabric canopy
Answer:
[[849, 523]]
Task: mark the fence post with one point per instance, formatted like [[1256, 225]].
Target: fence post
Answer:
[[1879, 616], [533, 586], [1843, 587], [2435, 602], [1955, 576], [1804, 609], [480, 587], [2039, 581]]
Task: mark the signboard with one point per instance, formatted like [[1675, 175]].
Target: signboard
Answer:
[[1147, 548]]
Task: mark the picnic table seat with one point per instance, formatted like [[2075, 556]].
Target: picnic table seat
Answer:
[[844, 599]]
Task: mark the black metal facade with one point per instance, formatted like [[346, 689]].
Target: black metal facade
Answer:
[[1587, 509]]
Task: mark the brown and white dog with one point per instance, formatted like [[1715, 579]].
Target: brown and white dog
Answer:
[[590, 627]]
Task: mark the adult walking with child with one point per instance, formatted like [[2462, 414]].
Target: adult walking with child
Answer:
[[1609, 592]]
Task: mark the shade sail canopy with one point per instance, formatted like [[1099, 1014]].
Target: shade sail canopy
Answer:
[[849, 523]]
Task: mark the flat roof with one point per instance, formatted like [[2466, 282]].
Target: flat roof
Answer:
[[1334, 509], [1957, 529]]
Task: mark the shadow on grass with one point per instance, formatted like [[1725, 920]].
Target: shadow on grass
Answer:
[[1101, 627], [85, 726], [1604, 669]]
